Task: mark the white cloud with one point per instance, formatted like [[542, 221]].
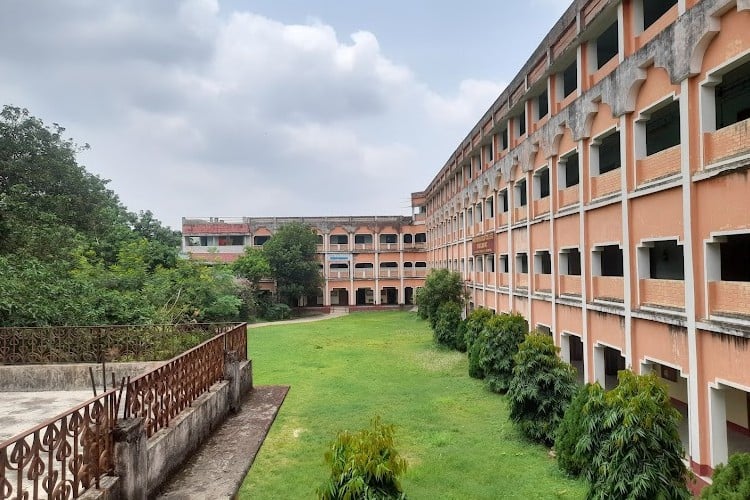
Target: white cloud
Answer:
[[191, 112]]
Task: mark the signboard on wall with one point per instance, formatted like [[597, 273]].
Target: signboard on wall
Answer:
[[339, 257], [483, 244]]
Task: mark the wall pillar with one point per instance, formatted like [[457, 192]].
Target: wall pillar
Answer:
[[131, 458], [232, 374]]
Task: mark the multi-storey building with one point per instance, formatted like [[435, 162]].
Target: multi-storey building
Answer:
[[366, 261], [605, 196]]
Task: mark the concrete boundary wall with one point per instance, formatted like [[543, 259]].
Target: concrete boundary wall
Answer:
[[67, 377]]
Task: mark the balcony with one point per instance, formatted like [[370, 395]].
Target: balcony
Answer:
[[320, 248], [521, 280], [490, 278], [389, 246], [726, 143], [388, 273], [605, 184], [570, 284], [658, 165], [608, 288], [417, 246], [503, 279], [338, 247], [502, 219], [664, 293], [520, 213], [543, 283], [363, 274], [729, 298], [364, 247], [417, 272], [568, 196], [489, 225], [338, 275], [541, 206], [599, 74]]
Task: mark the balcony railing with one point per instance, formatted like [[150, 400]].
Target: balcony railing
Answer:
[[570, 284], [543, 283], [388, 273], [726, 143], [503, 279], [521, 280], [364, 247], [568, 196], [604, 184], [658, 165], [502, 219], [729, 298], [520, 213], [338, 275], [417, 272], [364, 274], [541, 206], [608, 288], [666, 293]]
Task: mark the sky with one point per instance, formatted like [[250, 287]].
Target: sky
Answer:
[[230, 108]]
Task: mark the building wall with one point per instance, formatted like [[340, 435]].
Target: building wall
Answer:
[[684, 200]]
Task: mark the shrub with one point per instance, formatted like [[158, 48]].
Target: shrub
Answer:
[[731, 481], [448, 325], [364, 464], [636, 444], [277, 312], [498, 344], [440, 286], [473, 327], [571, 431], [541, 388]]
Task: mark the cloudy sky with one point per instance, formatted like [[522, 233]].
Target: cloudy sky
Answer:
[[265, 107]]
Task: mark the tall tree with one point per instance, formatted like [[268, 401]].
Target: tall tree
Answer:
[[291, 254], [441, 286]]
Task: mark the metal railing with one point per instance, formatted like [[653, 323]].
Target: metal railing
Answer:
[[69, 454]]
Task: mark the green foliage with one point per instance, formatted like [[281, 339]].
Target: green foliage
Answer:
[[541, 388], [474, 325], [731, 481], [440, 286], [447, 329], [291, 254], [571, 431], [364, 465], [252, 265], [634, 442], [498, 344], [277, 312]]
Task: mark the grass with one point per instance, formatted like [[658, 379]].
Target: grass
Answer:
[[455, 435]]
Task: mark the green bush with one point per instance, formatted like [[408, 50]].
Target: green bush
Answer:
[[473, 327], [447, 329], [277, 312], [364, 465], [440, 286], [731, 481], [498, 343], [541, 388], [635, 444], [571, 431]]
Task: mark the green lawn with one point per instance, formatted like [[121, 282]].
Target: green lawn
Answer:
[[455, 435]]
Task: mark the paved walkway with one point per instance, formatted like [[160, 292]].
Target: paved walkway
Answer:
[[333, 314], [220, 465], [20, 411]]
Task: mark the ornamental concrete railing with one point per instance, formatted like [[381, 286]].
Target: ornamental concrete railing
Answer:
[[104, 449]]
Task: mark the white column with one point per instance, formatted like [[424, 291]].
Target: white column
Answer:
[[718, 408]]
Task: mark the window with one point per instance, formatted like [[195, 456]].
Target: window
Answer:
[[570, 262], [480, 264], [198, 241], [319, 239], [733, 97], [470, 216], [260, 240], [542, 105], [521, 123], [666, 260], [543, 262], [541, 179], [363, 239], [607, 153], [607, 45], [388, 239], [490, 207], [663, 128], [488, 153], [421, 265], [490, 263], [502, 200], [479, 212], [503, 263], [735, 265], [569, 170], [570, 79], [522, 263], [420, 238], [607, 261], [231, 240], [654, 9], [521, 193], [408, 238], [339, 239], [504, 138]]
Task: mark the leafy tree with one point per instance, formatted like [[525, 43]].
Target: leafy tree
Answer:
[[440, 286], [364, 465], [498, 345], [571, 431], [475, 323], [636, 447], [731, 481], [541, 388], [291, 254], [252, 265], [447, 330]]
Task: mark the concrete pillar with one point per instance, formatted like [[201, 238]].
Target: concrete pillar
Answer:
[[599, 373], [718, 409], [131, 458], [232, 375]]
